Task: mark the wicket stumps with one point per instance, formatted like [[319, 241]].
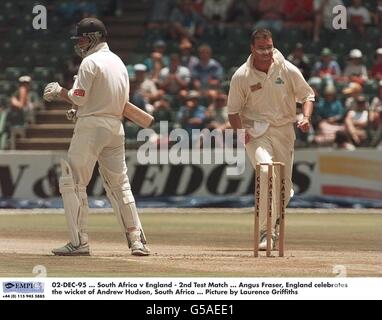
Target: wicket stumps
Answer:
[[281, 176]]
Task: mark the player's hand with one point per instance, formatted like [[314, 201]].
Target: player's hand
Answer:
[[71, 115], [52, 91], [304, 124]]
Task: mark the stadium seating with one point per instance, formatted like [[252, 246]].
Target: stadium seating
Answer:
[[44, 54]]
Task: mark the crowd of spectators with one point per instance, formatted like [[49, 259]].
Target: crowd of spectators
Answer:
[[344, 116], [184, 82]]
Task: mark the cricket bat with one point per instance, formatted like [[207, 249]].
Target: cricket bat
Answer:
[[138, 116]]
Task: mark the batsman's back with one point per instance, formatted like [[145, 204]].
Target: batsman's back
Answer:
[[105, 81]]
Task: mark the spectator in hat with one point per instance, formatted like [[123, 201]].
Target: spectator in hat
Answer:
[[327, 66], [355, 70], [300, 60], [22, 103], [352, 91], [376, 70], [143, 90], [356, 121]]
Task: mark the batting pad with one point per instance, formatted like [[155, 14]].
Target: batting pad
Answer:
[[76, 207], [123, 203]]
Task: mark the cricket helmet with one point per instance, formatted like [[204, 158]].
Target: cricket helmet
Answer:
[[91, 28]]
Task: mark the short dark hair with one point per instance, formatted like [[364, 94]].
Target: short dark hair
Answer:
[[260, 34]]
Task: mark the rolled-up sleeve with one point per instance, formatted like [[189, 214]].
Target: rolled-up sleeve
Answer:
[[236, 95], [79, 94], [301, 89]]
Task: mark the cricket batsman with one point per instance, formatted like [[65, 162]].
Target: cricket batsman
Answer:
[[100, 91]]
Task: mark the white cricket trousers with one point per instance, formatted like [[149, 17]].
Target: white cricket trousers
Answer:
[[99, 139], [275, 145]]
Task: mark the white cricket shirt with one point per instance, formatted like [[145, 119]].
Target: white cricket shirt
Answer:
[[271, 97], [102, 86]]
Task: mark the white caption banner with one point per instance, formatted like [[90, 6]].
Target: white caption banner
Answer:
[[190, 288]]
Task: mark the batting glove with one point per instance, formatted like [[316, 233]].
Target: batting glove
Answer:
[[71, 115], [52, 91]]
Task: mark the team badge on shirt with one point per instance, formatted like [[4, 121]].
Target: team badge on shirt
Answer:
[[79, 92], [279, 81], [255, 87]]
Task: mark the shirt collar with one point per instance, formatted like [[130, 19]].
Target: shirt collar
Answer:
[[99, 47]]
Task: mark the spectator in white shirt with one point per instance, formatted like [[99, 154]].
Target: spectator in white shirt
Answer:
[[175, 77], [355, 70]]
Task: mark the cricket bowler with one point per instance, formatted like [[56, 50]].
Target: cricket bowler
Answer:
[[262, 100]]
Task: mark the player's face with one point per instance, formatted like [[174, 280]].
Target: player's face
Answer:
[[83, 42], [262, 50], [82, 45]]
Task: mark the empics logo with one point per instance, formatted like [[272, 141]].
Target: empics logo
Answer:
[[9, 285], [23, 287]]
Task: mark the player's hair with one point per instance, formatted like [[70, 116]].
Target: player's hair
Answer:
[[260, 34]]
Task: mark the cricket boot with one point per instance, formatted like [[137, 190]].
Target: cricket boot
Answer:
[[70, 250], [263, 241], [135, 244]]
